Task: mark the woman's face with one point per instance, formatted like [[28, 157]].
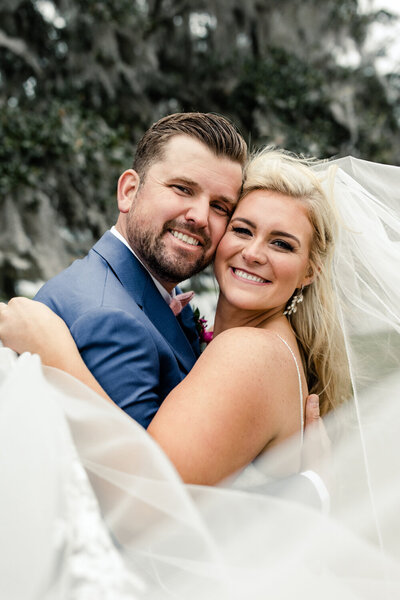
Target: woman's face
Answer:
[[264, 254]]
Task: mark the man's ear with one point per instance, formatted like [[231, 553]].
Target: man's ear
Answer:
[[128, 185]]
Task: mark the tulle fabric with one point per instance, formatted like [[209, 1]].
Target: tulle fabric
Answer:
[[162, 539], [166, 539]]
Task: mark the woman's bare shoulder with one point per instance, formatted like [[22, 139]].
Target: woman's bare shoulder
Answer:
[[248, 344], [237, 395]]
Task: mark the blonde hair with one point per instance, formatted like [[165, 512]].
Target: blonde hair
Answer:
[[316, 324]]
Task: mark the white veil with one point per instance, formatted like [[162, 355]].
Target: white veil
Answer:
[[167, 540], [367, 276]]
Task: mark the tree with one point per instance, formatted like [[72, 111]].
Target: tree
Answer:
[[80, 81]]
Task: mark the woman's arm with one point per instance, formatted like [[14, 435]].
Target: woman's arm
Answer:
[[241, 395]]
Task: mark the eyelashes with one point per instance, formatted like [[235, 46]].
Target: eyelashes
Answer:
[[283, 244], [241, 230], [278, 243], [222, 209]]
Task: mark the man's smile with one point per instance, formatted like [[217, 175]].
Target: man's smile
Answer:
[[184, 237]]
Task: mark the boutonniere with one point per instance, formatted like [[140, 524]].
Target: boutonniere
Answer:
[[205, 336]]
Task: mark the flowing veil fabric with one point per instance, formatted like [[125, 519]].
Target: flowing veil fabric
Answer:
[[124, 526]]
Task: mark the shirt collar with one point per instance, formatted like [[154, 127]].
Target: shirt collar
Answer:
[[166, 295]]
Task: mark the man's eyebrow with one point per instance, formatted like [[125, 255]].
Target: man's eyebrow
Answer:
[[274, 232], [184, 180]]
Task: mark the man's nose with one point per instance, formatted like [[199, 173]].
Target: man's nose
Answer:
[[198, 212]]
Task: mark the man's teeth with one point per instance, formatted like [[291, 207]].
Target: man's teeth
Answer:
[[185, 238], [245, 275]]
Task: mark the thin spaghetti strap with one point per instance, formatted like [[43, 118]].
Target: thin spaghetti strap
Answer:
[[300, 386]]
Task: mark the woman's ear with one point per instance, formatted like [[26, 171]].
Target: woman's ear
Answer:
[[128, 185], [312, 273]]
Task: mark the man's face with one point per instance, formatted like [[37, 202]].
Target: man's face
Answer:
[[178, 215]]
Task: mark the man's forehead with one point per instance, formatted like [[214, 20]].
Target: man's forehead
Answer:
[[187, 149], [191, 162]]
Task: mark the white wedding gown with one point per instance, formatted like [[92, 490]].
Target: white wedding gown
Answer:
[[90, 507]]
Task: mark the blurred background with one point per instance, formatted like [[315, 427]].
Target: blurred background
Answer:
[[81, 80]]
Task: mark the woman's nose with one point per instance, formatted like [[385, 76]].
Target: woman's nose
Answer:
[[255, 252]]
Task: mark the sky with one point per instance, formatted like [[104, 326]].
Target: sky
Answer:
[[385, 36]]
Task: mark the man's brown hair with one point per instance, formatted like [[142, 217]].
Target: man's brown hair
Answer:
[[215, 131]]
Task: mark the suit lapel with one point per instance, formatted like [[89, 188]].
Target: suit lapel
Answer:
[[187, 322], [138, 283], [167, 324]]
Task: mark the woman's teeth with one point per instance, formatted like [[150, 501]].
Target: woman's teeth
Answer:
[[185, 238], [247, 276]]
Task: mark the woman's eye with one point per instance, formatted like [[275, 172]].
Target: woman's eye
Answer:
[[283, 245], [241, 230]]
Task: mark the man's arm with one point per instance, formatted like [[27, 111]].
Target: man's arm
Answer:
[[316, 452], [121, 354]]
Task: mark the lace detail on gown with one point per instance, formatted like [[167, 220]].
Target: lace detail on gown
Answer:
[[93, 566]]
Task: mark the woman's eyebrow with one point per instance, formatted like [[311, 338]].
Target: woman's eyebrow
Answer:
[[244, 221]]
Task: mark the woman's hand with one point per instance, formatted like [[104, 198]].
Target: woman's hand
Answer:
[[29, 326]]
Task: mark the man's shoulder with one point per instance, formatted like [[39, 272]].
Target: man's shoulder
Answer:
[[87, 284], [90, 270], [84, 277]]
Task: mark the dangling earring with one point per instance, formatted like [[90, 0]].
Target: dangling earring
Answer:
[[296, 299]]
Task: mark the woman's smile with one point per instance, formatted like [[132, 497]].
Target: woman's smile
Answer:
[[248, 277]]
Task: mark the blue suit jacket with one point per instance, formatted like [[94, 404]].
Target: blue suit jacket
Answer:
[[126, 333]]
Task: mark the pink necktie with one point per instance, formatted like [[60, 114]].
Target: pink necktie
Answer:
[[178, 303]]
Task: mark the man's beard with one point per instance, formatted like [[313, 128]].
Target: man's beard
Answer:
[[150, 248]]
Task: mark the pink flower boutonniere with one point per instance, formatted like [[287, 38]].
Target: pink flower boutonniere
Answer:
[[205, 336]]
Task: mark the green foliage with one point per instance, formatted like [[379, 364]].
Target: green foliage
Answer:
[[38, 149], [106, 10], [283, 84], [80, 84]]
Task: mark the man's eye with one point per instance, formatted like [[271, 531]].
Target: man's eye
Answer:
[[221, 208], [182, 189], [241, 230], [283, 245]]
